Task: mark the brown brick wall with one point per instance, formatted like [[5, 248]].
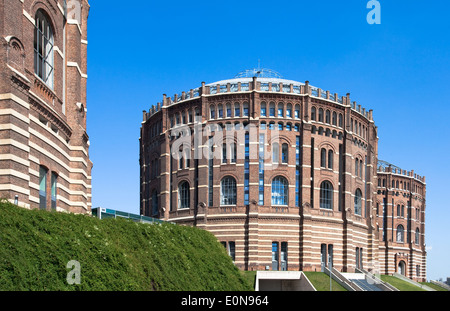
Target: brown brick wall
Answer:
[[42, 123]]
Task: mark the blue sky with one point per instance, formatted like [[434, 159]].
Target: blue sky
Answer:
[[399, 68]]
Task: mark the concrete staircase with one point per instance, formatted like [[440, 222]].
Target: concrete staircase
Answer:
[[365, 284], [360, 281]]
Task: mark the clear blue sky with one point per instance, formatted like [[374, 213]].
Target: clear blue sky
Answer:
[[139, 50]]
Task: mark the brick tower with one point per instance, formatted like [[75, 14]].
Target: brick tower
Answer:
[[44, 146]]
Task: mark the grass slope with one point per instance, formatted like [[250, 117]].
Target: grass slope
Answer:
[[321, 281], [400, 284], [114, 254]]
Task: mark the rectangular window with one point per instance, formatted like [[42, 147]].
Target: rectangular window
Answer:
[[261, 169], [247, 169], [297, 171], [42, 187], [210, 169], [54, 184], [224, 153], [275, 256], [233, 153], [284, 258], [232, 250]]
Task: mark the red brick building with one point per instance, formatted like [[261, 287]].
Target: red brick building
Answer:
[[44, 147], [284, 174]]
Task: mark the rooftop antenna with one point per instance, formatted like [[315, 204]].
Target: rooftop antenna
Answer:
[[259, 68]]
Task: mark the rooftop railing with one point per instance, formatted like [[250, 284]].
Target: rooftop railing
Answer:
[[383, 166], [280, 87]]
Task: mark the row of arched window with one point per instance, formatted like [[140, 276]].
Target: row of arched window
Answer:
[[228, 110], [280, 111], [359, 129], [184, 116], [279, 193], [400, 237], [228, 192], [327, 193], [327, 116]]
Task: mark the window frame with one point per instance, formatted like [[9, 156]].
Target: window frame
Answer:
[[44, 53], [228, 191], [326, 195], [281, 196]]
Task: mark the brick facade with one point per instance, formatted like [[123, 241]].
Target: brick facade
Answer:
[[44, 147], [319, 139]]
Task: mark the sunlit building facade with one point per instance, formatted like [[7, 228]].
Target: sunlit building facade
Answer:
[[44, 146], [285, 175]]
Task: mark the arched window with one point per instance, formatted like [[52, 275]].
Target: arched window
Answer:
[[326, 195], [330, 159], [246, 111], [313, 113], [212, 112], [417, 236], [288, 127], [340, 123], [183, 195], [263, 110], [320, 115], [280, 189], [43, 48], [297, 111], [237, 110], [323, 158], [289, 111], [284, 153], [280, 110], [358, 204], [400, 234], [228, 191], [228, 111], [272, 109], [275, 153], [334, 118], [220, 111], [356, 167], [280, 126], [327, 117]]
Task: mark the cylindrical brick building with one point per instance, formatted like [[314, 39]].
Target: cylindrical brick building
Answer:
[[284, 174]]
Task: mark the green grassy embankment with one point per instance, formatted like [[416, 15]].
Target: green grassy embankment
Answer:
[[321, 281], [399, 283], [114, 254]]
